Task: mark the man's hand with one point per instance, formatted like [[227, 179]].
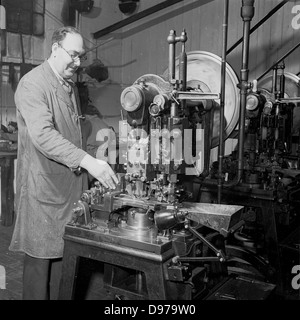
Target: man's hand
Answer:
[[100, 170]]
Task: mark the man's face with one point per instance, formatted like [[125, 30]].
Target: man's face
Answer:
[[68, 53]]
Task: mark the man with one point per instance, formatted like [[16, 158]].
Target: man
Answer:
[[49, 156]]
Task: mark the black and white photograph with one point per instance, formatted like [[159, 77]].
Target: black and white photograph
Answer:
[[150, 152]]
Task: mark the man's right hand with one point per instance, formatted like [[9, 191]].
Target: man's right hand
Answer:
[[100, 170]]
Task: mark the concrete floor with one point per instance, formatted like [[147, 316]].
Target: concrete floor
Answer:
[[87, 288]]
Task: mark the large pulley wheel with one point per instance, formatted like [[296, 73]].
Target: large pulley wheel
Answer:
[[244, 262], [291, 90], [204, 73]]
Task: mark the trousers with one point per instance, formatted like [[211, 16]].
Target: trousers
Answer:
[[41, 278]]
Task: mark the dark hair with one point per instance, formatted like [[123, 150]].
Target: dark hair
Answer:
[[60, 34]]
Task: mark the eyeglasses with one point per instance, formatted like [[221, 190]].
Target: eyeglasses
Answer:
[[75, 57]]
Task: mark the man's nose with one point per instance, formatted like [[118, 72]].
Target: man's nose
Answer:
[[77, 62]]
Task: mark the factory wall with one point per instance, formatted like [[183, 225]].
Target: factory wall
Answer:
[[142, 48], [144, 45]]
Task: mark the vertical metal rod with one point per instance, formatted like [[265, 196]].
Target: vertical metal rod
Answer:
[[171, 41], [261, 22], [183, 67], [174, 110], [282, 85], [183, 62], [2, 41], [1, 71], [298, 152], [274, 80], [247, 13], [222, 100], [1, 100]]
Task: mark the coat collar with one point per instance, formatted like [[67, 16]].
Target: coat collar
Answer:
[[54, 82]]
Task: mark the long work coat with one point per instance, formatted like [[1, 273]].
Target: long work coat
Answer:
[[49, 150]]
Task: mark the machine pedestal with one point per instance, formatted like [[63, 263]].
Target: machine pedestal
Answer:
[[147, 266]]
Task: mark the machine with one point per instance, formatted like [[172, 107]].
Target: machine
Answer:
[[150, 213], [268, 183], [181, 226]]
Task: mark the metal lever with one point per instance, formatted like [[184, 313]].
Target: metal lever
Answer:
[[218, 252]]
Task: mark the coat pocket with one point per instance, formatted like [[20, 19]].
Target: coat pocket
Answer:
[[53, 188]]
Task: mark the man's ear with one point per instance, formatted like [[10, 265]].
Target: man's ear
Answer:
[[54, 47]]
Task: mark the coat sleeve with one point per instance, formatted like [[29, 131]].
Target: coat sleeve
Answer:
[[33, 106]]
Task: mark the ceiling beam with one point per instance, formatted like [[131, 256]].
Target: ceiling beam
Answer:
[[134, 18]]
